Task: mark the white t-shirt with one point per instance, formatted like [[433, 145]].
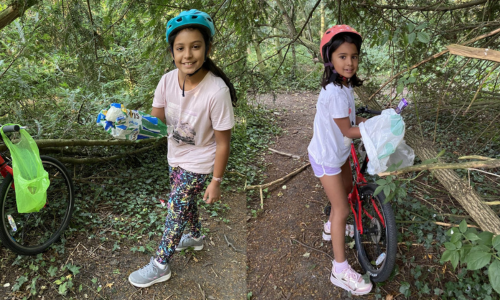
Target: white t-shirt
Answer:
[[191, 120], [327, 145]]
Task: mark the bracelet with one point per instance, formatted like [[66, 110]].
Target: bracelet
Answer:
[[218, 179]]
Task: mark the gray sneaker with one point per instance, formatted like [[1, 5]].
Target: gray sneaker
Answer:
[[188, 241], [149, 275]]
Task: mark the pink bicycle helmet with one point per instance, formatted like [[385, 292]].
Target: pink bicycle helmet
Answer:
[[329, 34]]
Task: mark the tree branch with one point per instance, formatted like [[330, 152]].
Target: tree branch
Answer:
[[431, 58], [428, 8], [63, 143], [488, 164]]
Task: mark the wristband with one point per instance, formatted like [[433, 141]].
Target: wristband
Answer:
[[218, 179]]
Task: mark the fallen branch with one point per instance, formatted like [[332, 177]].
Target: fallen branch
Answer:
[[312, 248], [73, 142], [264, 280], [489, 164], [263, 186], [77, 161], [437, 223], [285, 154], [481, 53]]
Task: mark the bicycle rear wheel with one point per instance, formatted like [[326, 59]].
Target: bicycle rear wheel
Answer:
[[33, 233], [378, 244]]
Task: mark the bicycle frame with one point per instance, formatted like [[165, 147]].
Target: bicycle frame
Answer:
[[5, 168], [354, 198]]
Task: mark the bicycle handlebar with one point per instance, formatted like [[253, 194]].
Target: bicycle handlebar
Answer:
[[364, 109], [11, 128]]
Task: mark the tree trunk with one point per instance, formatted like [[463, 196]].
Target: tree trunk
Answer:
[[484, 216], [294, 64], [14, 11], [277, 44], [257, 51], [322, 13]]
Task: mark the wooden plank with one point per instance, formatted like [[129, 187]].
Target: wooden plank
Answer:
[[481, 53]]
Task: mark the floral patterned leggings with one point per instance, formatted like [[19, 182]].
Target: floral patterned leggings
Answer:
[[182, 210]]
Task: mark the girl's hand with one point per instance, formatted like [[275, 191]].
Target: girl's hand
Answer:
[[212, 192]]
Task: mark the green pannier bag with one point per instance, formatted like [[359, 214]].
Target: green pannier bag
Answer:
[[30, 179]]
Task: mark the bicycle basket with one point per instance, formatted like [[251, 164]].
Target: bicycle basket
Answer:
[[31, 180]]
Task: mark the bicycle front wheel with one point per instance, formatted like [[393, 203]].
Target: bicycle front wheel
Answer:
[[33, 233], [377, 244]]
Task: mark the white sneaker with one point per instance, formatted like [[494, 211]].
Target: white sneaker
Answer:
[[349, 231], [326, 231], [350, 281]]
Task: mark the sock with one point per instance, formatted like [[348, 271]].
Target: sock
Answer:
[[339, 267], [160, 266]]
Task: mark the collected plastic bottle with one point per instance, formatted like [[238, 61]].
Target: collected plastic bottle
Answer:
[[349, 230], [380, 259], [402, 104], [12, 223]]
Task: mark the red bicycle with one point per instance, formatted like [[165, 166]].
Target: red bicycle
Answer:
[[375, 231], [33, 233]]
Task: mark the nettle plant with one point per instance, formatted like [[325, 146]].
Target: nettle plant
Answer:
[[476, 250]]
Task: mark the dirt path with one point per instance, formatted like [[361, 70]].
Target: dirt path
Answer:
[[278, 266], [216, 272]]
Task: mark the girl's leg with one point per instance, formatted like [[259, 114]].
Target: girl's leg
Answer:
[[335, 191], [185, 186], [194, 219]]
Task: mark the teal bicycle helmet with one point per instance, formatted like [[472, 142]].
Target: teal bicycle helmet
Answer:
[[190, 18]]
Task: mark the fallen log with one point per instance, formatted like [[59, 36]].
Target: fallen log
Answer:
[[480, 53]]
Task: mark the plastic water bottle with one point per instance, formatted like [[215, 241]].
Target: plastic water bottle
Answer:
[[12, 223], [380, 259], [349, 230], [402, 104]]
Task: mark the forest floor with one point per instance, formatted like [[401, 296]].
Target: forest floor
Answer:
[[274, 253]]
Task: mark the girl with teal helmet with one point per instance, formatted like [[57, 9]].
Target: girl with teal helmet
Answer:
[[196, 101]]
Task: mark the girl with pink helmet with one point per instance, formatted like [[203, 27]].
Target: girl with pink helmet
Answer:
[[334, 127]]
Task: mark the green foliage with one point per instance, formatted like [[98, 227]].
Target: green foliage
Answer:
[[476, 250]]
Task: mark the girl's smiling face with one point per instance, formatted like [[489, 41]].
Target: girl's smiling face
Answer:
[[345, 59], [189, 51]]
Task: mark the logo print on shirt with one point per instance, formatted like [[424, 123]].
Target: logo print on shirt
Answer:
[[349, 110]]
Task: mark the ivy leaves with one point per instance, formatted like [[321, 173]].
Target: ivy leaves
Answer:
[[474, 249]]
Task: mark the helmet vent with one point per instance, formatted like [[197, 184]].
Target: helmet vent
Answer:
[[328, 32], [179, 20], [209, 19], [194, 17]]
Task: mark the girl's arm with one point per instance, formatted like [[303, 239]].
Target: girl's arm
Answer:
[[360, 120], [222, 142], [159, 113], [347, 130]]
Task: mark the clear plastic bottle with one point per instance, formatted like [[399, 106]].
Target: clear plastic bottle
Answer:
[[12, 223], [380, 259]]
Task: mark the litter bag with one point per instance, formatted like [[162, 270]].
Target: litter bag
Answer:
[[30, 179], [132, 125], [383, 137]]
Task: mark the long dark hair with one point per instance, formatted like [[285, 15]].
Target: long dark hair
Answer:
[[208, 64], [330, 75]]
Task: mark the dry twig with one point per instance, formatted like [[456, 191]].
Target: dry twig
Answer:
[[294, 156]]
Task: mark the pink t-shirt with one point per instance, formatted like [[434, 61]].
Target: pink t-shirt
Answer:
[[191, 120]]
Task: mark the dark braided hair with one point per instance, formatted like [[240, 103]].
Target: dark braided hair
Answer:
[[208, 64], [330, 75]]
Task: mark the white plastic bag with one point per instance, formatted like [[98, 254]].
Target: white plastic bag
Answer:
[[383, 137]]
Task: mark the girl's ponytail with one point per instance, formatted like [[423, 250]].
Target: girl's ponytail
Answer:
[[212, 67]]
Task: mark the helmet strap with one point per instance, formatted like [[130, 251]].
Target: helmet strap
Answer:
[[184, 83]]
